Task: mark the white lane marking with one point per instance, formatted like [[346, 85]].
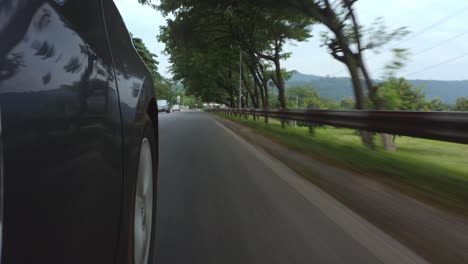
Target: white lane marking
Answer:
[[383, 246]]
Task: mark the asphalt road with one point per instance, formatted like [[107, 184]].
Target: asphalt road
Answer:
[[222, 201]]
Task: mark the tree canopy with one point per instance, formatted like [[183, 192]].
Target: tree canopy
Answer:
[[462, 104], [207, 40], [162, 85], [150, 59], [232, 52]]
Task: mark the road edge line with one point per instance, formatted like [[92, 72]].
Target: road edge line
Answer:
[[383, 246]]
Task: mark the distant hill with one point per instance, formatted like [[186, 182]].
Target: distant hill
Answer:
[[338, 88]]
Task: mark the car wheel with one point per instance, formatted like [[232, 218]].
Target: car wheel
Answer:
[[145, 202], [168, 111]]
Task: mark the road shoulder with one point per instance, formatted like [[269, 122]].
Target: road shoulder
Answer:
[[431, 233]]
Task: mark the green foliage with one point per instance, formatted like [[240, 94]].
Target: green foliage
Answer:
[[438, 170], [148, 58], [338, 88], [200, 53], [273, 99], [398, 94], [437, 105], [163, 88], [166, 89], [391, 94], [189, 100], [348, 103], [400, 56], [204, 38], [377, 35], [461, 104], [307, 98]]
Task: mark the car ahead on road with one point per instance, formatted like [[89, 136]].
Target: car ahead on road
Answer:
[[78, 141], [176, 107], [163, 106]]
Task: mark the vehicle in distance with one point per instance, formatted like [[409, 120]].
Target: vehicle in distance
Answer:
[[78, 140], [163, 106], [176, 107]]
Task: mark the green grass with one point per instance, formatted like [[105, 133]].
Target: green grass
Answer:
[[434, 170]]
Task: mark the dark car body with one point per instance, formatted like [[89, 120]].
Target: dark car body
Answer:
[[74, 100]]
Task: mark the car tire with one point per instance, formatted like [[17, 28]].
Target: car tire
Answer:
[[168, 111], [144, 205]]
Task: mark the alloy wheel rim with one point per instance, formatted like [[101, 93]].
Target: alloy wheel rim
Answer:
[[143, 205]]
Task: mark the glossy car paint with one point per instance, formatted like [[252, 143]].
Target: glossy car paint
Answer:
[[71, 127], [139, 109]]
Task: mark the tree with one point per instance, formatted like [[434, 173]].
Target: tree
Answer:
[[201, 55], [347, 103], [307, 98], [148, 58], [461, 104], [204, 39], [347, 41], [399, 94], [262, 32], [437, 105], [163, 86]]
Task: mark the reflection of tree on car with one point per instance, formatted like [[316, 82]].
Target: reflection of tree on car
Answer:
[[79, 116]]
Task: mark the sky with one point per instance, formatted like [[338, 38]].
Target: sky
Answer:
[[437, 44]]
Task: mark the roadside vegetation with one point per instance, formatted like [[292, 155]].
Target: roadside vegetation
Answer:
[[165, 88], [231, 52], [433, 170]]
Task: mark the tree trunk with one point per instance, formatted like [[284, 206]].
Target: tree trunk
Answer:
[[246, 102], [388, 142], [361, 103], [257, 96], [257, 99], [367, 137], [267, 100], [250, 92], [263, 88], [378, 102], [252, 65], [259, 90], [371, 88], [232, 101], [280, 85], [329, 18]]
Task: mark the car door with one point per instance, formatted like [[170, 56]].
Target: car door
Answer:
[[139, 111], [61, 134]]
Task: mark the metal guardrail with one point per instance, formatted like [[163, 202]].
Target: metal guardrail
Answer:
[[444, 126]]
